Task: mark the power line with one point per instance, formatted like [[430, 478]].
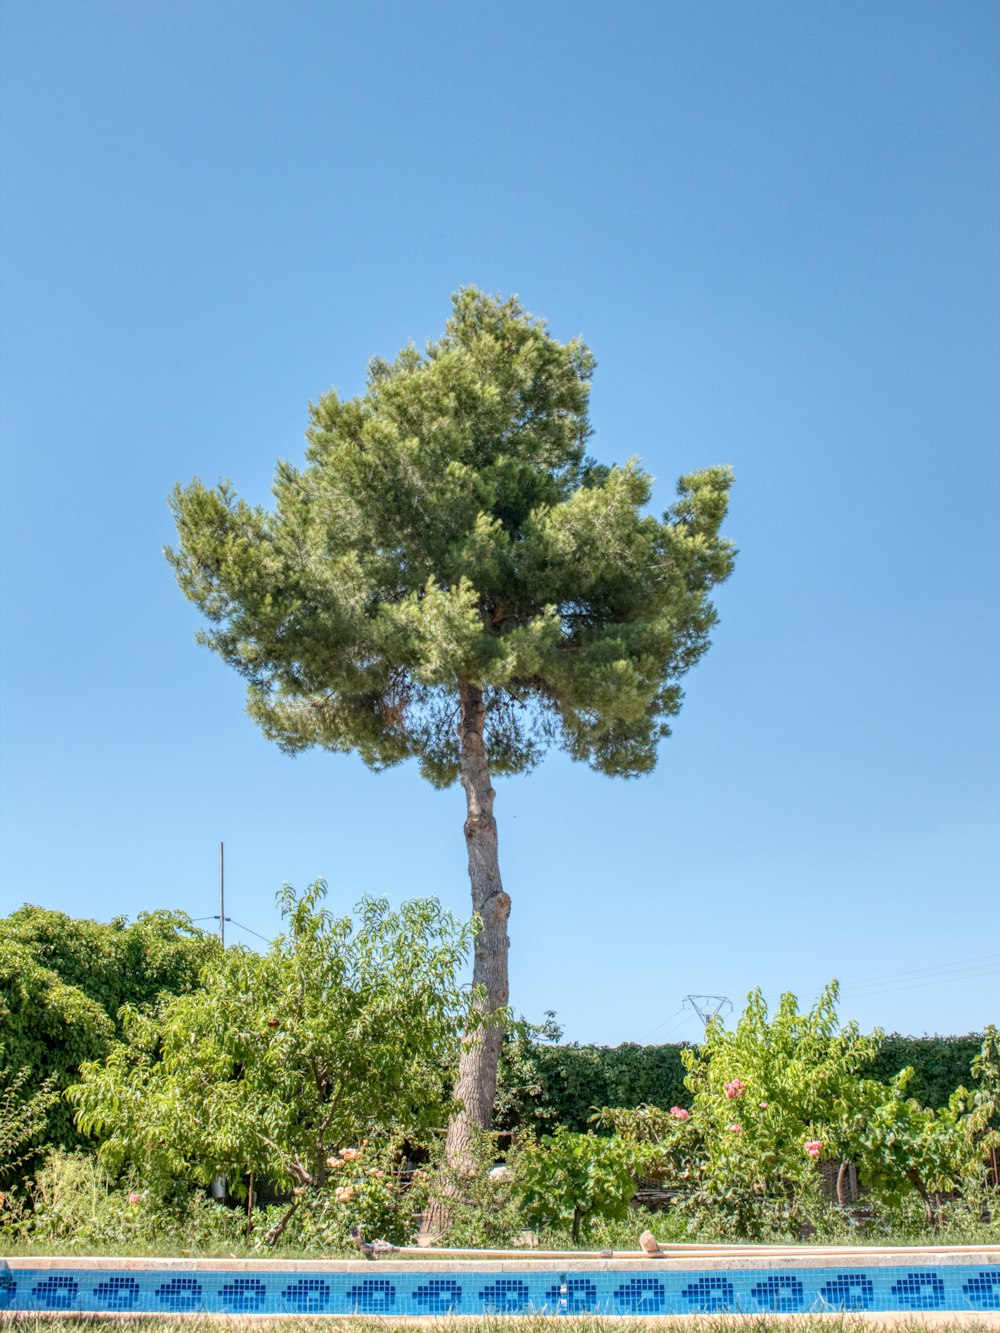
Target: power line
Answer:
[[921, 971], [665, 1021], [928, 981], [248, 930], [677, 1026]]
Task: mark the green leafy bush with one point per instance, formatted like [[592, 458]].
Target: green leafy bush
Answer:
[[571, 1178], [777, 1096], [80, 1206], [366, 1193], [24, 1106]]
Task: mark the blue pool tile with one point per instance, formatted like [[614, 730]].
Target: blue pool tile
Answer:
[[181, 1293], [117, 1292], [372, 1295], [983, 1290], [921, 1290], [848, 1291], [437, 1295], [243, 1295], [56, 1293], [507, 1295], [781, 1293], [8, 1290], [666, 1291], [572, 1295], [641, 1295], [710, 1294], [309, 1295]]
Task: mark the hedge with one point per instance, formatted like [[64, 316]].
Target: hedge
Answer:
[[556, 1084]]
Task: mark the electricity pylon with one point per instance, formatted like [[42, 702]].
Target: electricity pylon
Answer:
[[701, 1005]]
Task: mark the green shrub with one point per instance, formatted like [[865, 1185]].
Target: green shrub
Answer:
[[366, 1192], [571, 1178], [75, 1203]]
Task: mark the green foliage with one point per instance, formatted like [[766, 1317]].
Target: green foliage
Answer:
[[24, 1107], [78, 1205], [484, 1203], [984, 1111], [365, 1192], [63, 982], [49, 1027], [543, 1084], [115, 963], [765, 1091], [901, 1146], [338, 1032], [522, 1099], [776, 1096], [939, 1064], [571, 1178], [448, 527]]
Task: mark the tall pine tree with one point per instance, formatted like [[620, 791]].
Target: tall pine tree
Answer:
[[451, 578]]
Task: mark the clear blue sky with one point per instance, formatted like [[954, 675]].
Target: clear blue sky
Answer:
[[776, 224]]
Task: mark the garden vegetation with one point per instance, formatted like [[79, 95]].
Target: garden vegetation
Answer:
[[309, 1087]]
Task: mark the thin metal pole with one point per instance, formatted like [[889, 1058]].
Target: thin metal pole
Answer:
[[222, 894]]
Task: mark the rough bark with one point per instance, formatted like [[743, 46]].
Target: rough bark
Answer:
[[476, 1084]]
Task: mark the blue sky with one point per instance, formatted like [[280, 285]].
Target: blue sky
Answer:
[[776, 226]]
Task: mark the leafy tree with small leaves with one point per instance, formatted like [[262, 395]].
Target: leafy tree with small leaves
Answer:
[[63, 981], [277, 1061], [451, 578]]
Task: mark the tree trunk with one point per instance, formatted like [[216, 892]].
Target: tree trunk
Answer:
[[476, 1084]]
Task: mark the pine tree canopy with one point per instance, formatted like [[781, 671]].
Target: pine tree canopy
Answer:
[[448, 528]]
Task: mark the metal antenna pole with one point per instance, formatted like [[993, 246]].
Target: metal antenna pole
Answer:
[[704, 1007], [222, 894], [222, 918]]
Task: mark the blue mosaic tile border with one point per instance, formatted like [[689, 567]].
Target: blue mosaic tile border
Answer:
[[744, 1291]]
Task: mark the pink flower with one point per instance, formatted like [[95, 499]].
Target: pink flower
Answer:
[[814, 1147], [135, 1198], [679, 1113], [735, 1089], [762, 1105], [736, 1129], [349, 1154], [345, 1193]]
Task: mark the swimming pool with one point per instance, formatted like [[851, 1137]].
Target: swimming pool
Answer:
[[674, 1285]]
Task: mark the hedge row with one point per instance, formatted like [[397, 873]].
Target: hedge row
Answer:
[[560, 1084]]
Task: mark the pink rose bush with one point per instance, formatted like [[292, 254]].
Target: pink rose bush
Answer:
[[814, 1147], [679, 1113], [735, 1089], [364, 1190]]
